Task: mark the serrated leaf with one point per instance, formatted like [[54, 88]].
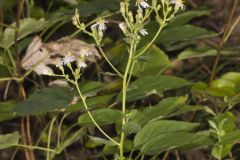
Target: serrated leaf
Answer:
[[9, 140], [101, 116], [49, 99]]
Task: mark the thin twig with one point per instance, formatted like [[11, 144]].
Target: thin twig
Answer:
[[227, 31], [26, 134]]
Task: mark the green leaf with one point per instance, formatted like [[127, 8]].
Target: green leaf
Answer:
[[91, 88], [167, 141], [101, 116], [6, 110], [96, 141], [201, 139], [205, 52], [9, 140], [93, 102], [163, 127], [178, 34], [46, 100], [186, 17], [71, 139], [154, 62], [1, 60], [221, 151], [163, 108], [118, 55], [187, 108], [88, 8], [27, 26], [232, 76], [231, 137], [138, 89], [221, 87], [216, 151]]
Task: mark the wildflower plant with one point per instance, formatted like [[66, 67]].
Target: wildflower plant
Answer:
[[133, 28]]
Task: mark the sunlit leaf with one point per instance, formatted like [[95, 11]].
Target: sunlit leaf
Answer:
[[9, 140]]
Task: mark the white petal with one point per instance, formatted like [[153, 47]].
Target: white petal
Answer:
[[144, 32]]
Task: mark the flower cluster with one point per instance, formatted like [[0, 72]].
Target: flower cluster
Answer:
[[178, 3], [78, 57], [142, 4], [100, 25]]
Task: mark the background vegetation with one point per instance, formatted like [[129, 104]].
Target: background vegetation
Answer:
[[183, 98]]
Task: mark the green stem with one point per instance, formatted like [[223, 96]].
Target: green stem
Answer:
[[108, 61], [90, 115], [37, 148], [60, 129], [49, 138], [153, 40], [54, 30], [124, 95], [11, 58]]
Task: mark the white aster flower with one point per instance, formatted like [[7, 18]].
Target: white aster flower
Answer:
[[47, 71], [142, 4], [68, 59], [85, 52], [143, 32], [81, 64], [122, 26], [59, 64], [178, 3], [100, 25]]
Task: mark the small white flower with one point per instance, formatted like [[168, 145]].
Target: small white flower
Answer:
[[100, 25], [81, 64], [122, 26], [143, 32], [142, 4], [59, 64], [47, 71], [68, 59], [74, 100], [85, 52], [178, 3]]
